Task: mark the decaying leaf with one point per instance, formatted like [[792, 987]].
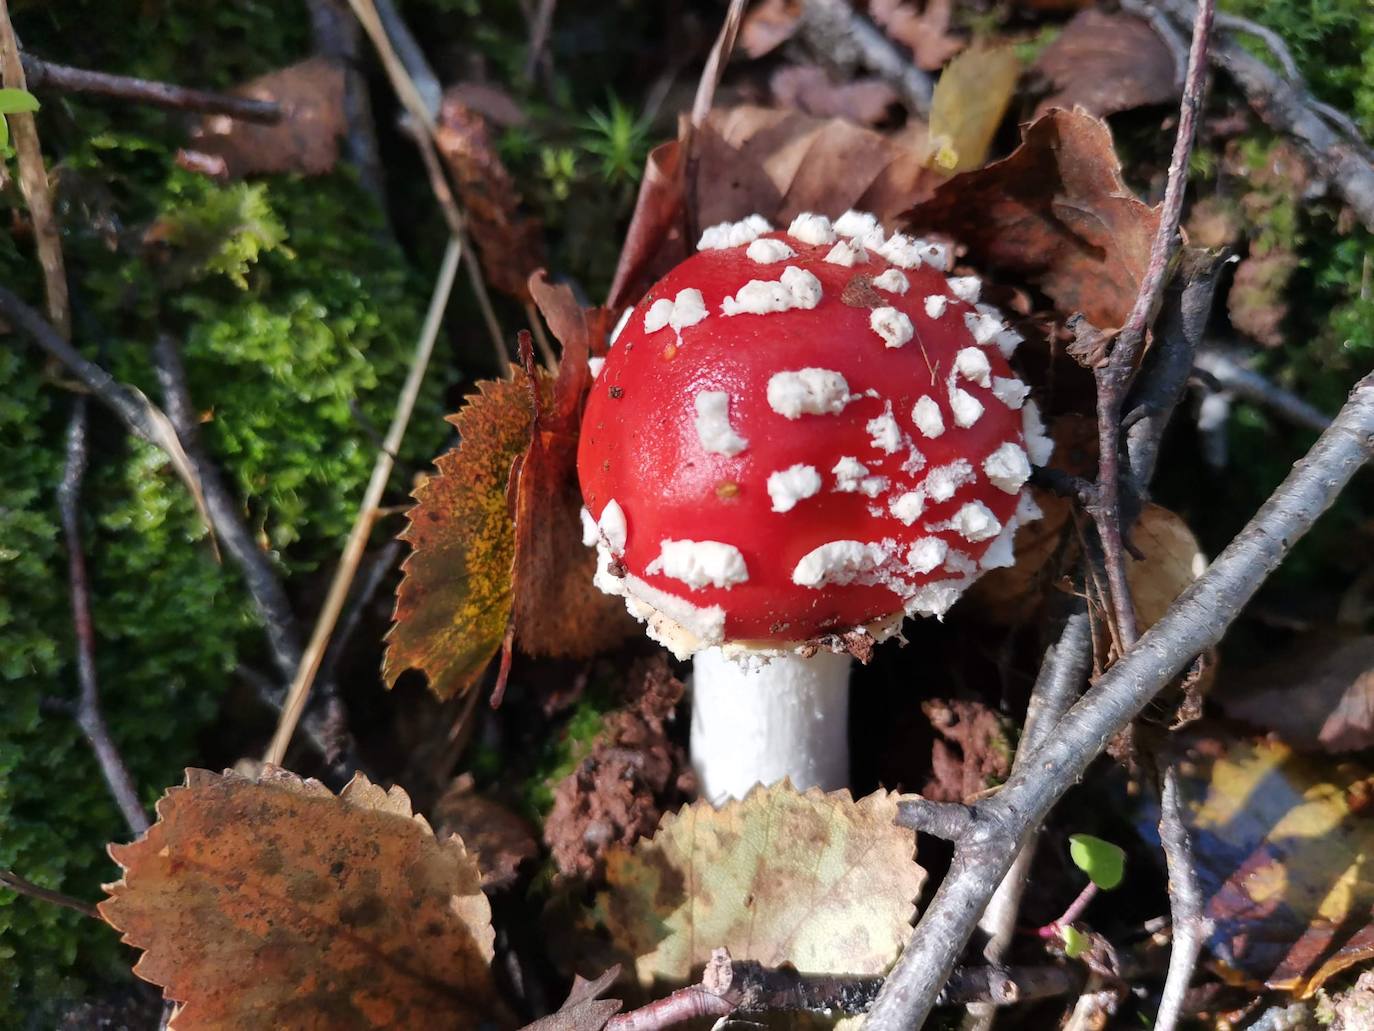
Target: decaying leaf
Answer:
[[1173, 560], [311, 95], [557, 610], [454, 601], [1105, 63], [924, 28], [1319, 696], [583, 1010], [816, 880], [499, 839], [510, 243], [656, 238], [970, 100], [1283, 860], [1056, 213], [768, 24], [278, 904], [810, 89]]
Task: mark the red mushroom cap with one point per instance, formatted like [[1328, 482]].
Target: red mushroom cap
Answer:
[[800, 434]]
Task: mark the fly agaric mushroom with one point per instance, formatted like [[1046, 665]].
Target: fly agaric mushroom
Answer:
[[795, 441]]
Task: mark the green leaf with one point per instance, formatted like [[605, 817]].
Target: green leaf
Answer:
[[1103, 862], [13, 101], [1075, 942], [4, 132]]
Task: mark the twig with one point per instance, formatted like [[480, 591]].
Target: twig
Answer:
[[367, 510], [335, 34], [403, 68], [62, 78], [371, 580], [842, 34], [88, 715], [1230, 372], [11, 880], [1190, 924], [1195, 622], [1286, 106], [1115, 374], [716, 61], [1063, 672], [540, 25]]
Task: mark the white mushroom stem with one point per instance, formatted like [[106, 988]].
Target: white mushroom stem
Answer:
[[757, 721]]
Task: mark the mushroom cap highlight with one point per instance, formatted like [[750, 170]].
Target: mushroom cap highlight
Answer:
[[798, 434]]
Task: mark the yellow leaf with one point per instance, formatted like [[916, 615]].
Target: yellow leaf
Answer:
[[970, 99], [278, 904], [816, 880]]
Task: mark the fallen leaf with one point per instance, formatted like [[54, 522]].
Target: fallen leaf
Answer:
[[769, 24], [1105, 63], [454, 601], [971, 753], [583, 1011], [810, 89], [656, 238], [1056, 213], [1282, 860], [557, 610], [499, 838], [1318, 696], [511, 244], [924, 29], [1173, 560], [630, 776], [278, 904], [970, 100], [816, 880], [311, 96]]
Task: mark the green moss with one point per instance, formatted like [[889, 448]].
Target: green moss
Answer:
[[298, 318]]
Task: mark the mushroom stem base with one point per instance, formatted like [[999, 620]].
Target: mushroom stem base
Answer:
[[756, 723]]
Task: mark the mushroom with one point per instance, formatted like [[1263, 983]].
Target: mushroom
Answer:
[[796, 440]]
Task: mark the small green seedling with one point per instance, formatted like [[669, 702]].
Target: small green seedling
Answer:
[[13, 102], [1075, 942], [1103, 862]]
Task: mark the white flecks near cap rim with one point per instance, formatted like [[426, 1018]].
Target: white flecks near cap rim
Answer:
[[960, 562], [724, 235], [936, 255], [620, 324], [935, 599], [966, 408], [1039, 446], [591, 533], [972, 363], [811, 228], [856, 223], [892, 325], [1007, 468], [902, 251], [1010, 391], [700, 564], [809, 391], [795, 288], [846, 253], [925, 413], [974, 522], [686, 309], [943, 481], [795, 483], [894, 281], [926, 554], [767, 250], [838, 562], [907, 507], [935, 305], [713, 424], [1007, 342], [966, 288], [1001, 552], [883, 431], [983, 326], [595, 365]]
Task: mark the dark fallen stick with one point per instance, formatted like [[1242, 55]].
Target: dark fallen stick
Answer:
[[60, 78], [1190, 924], [1228, 371], [20, 886], [88, 715], [1194, 623]]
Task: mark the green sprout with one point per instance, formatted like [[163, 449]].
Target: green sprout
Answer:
[[13, 102]]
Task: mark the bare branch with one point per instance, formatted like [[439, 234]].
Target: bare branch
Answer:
[[1195, 622], [21, 886], [1227, 367], [88, 715], [840, 33], [1190, 924], [61, 78]]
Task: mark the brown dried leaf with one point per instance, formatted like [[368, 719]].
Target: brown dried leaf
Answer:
[[656, 238], [583, 1011], [278, 904], [769, 24], [1105, 63], [1173, 560], [629, 778], [557, 610], [511, 244], [311, 95], [1282, 858], [1056, 213], [924, 31], [816, 880], [809, 89], [1320, 696], [454, 601], [970, 100], [499, 838]]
